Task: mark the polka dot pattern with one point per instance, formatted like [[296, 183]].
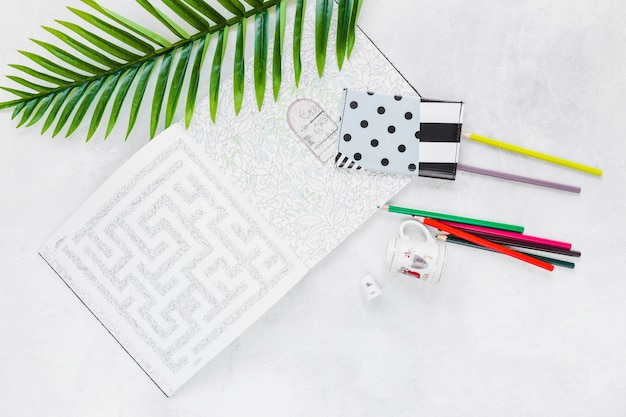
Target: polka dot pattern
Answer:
[[378, 130]]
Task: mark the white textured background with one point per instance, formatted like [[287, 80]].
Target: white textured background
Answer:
[[495, 337]]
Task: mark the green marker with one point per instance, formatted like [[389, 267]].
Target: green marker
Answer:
[[452, 218]]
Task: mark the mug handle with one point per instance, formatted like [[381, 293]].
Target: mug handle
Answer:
[[421, 227]]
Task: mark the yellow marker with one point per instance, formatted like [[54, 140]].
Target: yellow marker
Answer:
[[534, 154]]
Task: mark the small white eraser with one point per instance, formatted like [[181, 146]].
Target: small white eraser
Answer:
[[370, 287]]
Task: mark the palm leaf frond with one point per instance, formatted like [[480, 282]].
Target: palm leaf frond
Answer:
[[279, 39], [83, 49], [105, 60], [123, 88], [142, 83], [323, 15], [216, 71], [74, 96], [298, 26], [164, 19], [233, 6], [194, 82], [28, 110], [41, 109], [240, 67], [356, 9], [128, 24], [177, 83], [159, 92], [260, 57], [57, 103], [87, 98], [107, 92], [343, 23]]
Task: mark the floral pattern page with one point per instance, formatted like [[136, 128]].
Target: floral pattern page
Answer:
[[311, 204]]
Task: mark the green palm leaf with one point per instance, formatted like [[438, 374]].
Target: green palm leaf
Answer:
[[159, 92], [128, 24], [297, 39], [177, 83], [356, 9], [107, 92], [216, 72], [105, 60], [69, 58], [57, 104], [260, 57], [39, 75], [118, 51], [164, 19], [87, 98], [323, 15], [55, 68], [343, 23], [28, 110], [27, 83], [254, 3], [41, 110], [120, 34], [187, 14], [142, 83], [194, 83], [279, 38], [23, 94], [75, 94], [124, 87], [18, 108], [83, 49], [233, 6], [240, 67], [206, 10]]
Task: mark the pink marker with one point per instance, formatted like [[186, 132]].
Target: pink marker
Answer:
[[519, 237]]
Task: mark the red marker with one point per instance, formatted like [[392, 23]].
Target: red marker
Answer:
[[485, 243]]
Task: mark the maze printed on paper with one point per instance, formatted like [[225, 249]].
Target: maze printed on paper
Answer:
[[176, 256]]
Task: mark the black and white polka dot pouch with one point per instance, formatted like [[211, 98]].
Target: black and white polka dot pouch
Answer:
[[399, 134]]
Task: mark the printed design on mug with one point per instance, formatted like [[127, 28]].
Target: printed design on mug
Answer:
[[406, 271], [417, 262]]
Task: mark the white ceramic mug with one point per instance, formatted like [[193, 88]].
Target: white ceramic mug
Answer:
[[423, 259]]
